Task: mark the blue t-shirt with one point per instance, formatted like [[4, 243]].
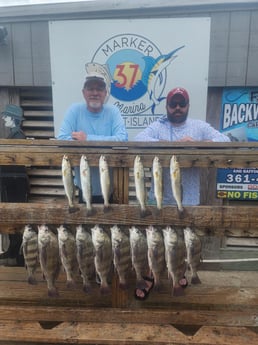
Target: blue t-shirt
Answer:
[[107, 125]]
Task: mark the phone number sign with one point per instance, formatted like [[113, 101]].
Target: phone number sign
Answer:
[[237, 184]]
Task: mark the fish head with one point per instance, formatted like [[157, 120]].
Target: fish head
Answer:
[[135, 234], [43, 233], [174, 163], [63, 233], [170, 234], [116, 234], [28, 232], [137, 160], [66, 163], [97, 233], [152, 234], [84, 160], [103, 163]]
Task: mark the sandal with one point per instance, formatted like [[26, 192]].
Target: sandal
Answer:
[[145, 291]]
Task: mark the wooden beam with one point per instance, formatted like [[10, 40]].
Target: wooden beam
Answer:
[[208, 220], [117, 334]]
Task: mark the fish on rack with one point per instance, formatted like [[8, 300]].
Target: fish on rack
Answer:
[[157, 172], [30, 252], [104, 181], [103, 256], [176, 183], [121, 254], [139, 256], [85, 176], [139, 181], [67, 177], [67, 252], [175, 256], [193, 252], [156, 254], [49, 258], [85, 256]]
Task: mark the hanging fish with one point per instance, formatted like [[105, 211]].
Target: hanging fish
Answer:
[[157, 181], [175, 255], [156, 254], [30, 252], [103, 256], [104, 181], [140, 185], [49, 258], [121, 254], [67, 177], [85, 256], [85, 176], [193, 250], [176, 184], [139, 256], [67, 252]]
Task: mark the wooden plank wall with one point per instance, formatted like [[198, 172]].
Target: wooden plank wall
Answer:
[[25, 60]]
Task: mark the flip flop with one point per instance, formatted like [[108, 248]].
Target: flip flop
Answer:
[[145, 291]]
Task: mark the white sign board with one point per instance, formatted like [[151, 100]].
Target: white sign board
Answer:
[[143, 59]]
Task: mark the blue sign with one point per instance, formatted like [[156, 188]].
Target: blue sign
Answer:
[[239, 120]]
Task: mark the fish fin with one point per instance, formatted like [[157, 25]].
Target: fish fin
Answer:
[[87, 288], [32, 280], [178, 291], [53, 292]]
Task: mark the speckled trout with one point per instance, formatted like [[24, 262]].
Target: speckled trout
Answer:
[[176, 184], [104, 181], [85, 176]]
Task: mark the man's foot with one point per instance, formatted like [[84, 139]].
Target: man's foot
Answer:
[[142, 294]]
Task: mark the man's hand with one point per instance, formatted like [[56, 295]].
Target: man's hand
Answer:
[[79, 135]]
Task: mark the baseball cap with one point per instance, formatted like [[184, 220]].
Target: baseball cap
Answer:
[[178, 91], [14, 111], [95, 77]]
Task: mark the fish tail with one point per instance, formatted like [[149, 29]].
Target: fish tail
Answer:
[[53, 292], [178, 290], [32, 280], [107, 208], [144, 213], [90, 212], [195, 279], [104, 289], [87, 288]]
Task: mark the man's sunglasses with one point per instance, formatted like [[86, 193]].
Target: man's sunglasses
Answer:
[[181, 104]]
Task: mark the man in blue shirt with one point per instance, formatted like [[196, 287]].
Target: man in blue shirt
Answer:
[[93, 120]]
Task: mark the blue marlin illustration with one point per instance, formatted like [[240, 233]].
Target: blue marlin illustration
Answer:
[[153, 73]]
